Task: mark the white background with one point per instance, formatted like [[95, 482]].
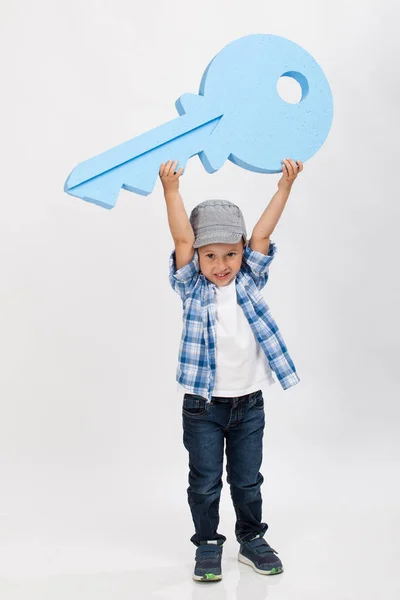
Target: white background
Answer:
[[93, 472]]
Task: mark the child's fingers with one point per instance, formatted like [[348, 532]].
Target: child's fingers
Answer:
[[171, 167], [167, 167], [174, 172], [289, 166], [289, 163]]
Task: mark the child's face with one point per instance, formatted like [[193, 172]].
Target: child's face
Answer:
[[221, 258]]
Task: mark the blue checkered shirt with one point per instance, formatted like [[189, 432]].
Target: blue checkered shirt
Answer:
[[196, 361]]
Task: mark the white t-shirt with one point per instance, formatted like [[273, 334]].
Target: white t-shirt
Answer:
[[241, 365]]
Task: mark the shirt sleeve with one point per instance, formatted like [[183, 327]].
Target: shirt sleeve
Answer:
[[258, 263], [184, 279]]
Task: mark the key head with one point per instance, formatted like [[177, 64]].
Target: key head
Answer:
[[238, 115], [259, 128]]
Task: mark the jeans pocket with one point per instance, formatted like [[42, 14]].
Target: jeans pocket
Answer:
[[258, 401], [193, 405]]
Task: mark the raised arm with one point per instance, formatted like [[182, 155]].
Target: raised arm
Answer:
[[267, 222], [179, 224]]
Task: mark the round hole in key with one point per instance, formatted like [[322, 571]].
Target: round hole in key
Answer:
[[292, 87]]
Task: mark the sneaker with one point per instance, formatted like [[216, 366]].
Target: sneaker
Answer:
[[208, 562], [259, 555]]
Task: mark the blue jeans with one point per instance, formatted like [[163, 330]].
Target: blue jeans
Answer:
[[241, 422]]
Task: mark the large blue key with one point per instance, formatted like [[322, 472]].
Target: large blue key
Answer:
[[238, 115]]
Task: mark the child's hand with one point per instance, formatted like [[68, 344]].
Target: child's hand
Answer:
[[290, 171], [170, 179]]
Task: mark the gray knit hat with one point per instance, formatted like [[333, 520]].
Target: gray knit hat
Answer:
[[217, 222]]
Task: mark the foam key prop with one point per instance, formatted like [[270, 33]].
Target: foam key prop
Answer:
[[238, 115]]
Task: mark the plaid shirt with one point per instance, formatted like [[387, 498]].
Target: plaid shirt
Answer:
[[196, 362]]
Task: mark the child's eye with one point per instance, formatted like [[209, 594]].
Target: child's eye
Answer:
[[211, 255]]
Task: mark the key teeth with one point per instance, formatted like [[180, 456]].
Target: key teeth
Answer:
[[213, 159], [107, 201]]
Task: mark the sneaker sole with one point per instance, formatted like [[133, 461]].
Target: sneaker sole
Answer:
[[207, 577], [247, 561]]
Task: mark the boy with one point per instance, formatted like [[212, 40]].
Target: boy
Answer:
[[229, 347]]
